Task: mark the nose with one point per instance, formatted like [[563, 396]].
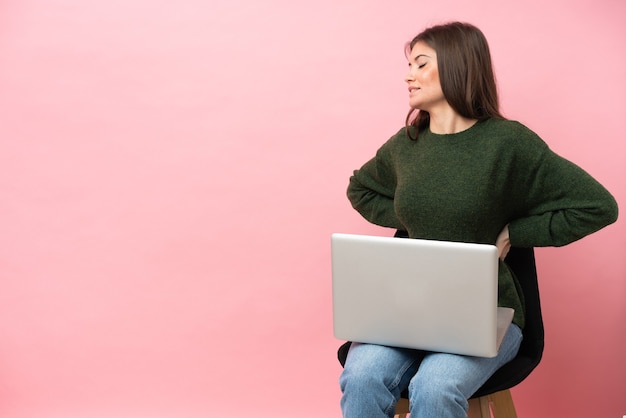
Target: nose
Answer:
[[409, 76]]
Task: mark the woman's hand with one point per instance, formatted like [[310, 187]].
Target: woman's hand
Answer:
[[503, 243]]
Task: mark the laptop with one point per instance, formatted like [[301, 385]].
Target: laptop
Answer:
[[431, 295]]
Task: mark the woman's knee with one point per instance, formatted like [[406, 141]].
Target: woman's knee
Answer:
[[360, 376], [375, 367], [436, 393]]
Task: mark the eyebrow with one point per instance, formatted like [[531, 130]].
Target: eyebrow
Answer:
[[421, 55]]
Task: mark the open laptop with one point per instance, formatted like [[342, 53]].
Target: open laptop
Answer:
[[431, 295]]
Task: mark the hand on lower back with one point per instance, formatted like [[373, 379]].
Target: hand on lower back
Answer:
[[503, 243]]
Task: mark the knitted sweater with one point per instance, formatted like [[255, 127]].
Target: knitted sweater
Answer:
[[467, 186]]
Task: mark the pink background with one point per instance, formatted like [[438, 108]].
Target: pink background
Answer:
[[170, 174]]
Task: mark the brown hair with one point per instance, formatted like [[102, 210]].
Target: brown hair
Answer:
[[465, 72]]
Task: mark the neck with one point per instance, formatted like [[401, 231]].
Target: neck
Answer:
[[449, 122]]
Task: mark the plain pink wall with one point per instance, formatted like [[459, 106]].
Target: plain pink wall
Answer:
[[170, 174]]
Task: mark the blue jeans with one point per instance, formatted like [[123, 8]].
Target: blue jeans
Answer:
[[439, 384]]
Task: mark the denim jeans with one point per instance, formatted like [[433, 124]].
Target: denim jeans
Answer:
[[439, 384]]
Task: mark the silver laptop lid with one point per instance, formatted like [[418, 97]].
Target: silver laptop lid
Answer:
[[431, 295]]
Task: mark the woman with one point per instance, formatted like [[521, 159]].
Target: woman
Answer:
[[459, 171]]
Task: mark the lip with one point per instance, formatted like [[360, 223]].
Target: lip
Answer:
[[413, 89]]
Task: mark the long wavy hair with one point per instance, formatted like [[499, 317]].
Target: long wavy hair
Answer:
[[465, 72]]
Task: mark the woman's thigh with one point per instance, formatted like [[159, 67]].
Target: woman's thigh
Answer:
[[466, 373], [390, 366]]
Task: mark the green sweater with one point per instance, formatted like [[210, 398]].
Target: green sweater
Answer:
[[467, 186]]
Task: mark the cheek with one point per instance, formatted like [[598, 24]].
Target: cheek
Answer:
[[430, 78], [433, 80]]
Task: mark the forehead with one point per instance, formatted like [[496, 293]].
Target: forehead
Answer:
[[422, 49]]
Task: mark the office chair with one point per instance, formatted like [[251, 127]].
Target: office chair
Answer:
[[495, 395]]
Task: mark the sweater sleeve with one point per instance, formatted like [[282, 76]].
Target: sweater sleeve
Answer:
[[562, 203], [371, 190]]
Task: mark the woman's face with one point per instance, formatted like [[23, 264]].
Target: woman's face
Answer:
[[423, 79]]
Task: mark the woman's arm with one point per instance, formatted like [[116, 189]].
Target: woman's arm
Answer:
[[372, 188], [564, 204]]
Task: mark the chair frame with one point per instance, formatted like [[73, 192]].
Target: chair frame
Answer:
[[500, 403]]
